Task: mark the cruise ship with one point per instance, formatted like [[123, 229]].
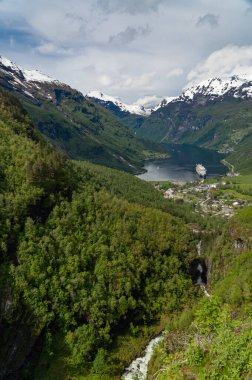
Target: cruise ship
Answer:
[[201, 170]]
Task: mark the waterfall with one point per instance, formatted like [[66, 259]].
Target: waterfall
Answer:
[[200, 281], [203, 287], [138, 369], [198, 246]]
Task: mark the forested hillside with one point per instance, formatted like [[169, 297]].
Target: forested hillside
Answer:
[[94, 262], [86, 254]]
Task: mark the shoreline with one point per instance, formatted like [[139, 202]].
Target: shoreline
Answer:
[[179, 165], [231, 173]]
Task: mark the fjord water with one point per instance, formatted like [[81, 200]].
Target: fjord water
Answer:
[[180, 166]]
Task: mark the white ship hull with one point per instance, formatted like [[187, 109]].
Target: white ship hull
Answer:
[[201, 171]]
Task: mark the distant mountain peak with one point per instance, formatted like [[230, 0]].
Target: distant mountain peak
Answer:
[[164, 102], [127, 108], [71, 122], [234, 86], [30, 83], [27, 75]]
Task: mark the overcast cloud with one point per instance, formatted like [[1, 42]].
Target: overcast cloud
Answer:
[[131, 49], [208, 19], [129, 35]]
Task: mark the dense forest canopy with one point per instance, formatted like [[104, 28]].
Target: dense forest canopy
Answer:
[[81, 256]]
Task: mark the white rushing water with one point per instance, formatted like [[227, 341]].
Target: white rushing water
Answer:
[[200, 281], [198, 247], [200, 269], [138, 369]]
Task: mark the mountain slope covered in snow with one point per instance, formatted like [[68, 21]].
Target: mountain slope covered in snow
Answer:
[[218, 89]]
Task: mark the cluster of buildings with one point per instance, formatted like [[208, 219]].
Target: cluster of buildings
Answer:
[[206, 197]]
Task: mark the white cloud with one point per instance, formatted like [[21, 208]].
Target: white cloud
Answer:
[[130, 6], [230, 60], [70, 41], [129, 35], [104, 80], [149, 101], [143, 81], [175, 73], [208, 19], [50, 48]]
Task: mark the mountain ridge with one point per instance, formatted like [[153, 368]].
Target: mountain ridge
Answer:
[[214, 87], [233, 86], [127, 108]]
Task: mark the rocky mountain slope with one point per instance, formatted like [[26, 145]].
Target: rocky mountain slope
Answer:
[[108, 102], [131, 115], [73, 123]]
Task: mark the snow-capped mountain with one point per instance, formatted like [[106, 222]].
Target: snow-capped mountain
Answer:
[[206, 113], [27, 75], [144, 109], [214, 88], [107, 101], [30, 83], [73, 123], [164, 102], [208, 90]]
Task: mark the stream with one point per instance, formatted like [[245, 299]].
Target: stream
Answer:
[[138, 369]]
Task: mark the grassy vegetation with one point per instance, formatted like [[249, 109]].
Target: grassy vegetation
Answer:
[[237, 187], [244, 182]]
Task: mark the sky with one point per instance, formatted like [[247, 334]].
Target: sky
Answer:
[[137, 50]]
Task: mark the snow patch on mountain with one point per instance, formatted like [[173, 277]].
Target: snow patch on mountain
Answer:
[[7, 63], [29, 75], [130, 108], [234, 86], [36, 76], [164, 102]]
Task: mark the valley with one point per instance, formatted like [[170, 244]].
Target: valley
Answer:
[[97, 263], [215, 114]]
